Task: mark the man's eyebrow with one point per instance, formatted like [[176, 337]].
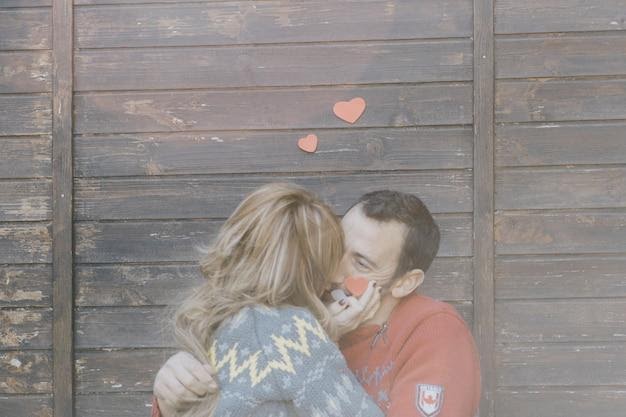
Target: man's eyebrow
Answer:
[[368, 260]]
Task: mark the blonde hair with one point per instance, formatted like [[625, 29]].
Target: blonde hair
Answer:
[[280, 246]]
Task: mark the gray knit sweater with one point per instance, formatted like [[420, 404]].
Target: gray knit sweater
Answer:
[[274, 362]]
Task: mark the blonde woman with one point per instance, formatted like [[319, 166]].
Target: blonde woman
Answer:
[[258, 318]]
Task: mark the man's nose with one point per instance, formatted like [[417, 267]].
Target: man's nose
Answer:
[[341, 273]]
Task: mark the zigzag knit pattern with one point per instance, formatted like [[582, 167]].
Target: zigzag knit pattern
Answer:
[[279, 362], [283, 345]]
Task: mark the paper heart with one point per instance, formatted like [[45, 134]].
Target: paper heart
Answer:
[[356, 285], [350, 111], [308, 143]]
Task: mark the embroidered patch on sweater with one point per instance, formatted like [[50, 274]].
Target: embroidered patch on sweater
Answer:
[[429, 399]]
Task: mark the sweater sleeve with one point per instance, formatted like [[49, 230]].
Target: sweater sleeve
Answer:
[[439, 374], [321, 385]]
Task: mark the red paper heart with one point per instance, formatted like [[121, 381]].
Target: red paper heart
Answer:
[[350, 111], [308, 143], [356, 285]]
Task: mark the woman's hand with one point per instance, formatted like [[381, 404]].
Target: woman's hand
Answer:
[[351, 312], [182, 381]]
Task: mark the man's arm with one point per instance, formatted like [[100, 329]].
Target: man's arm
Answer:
[[180, 382], [440, 374]]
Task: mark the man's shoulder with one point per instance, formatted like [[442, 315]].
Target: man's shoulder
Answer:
[[420, 313]]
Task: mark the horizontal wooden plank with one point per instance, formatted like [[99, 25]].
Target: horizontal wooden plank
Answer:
[[555, 100], [26, 406], [560, 56], [142, 285], [25, 328], [25, 28], [25, 285], [563, 187], [25, 372], [118, 371], [217, 197], [133, 69], [146, 327], [580, 402], [25, 157], [25, 115], [25, 243], [25, 200], [118, 405], [534, 16], [180, 240], [560, 321], [561, 364], [560, 144], [228, 152], [598, 231], [247, 22], [120, 327], [26, 3], [573, 276], [25, 72], [298, 108]]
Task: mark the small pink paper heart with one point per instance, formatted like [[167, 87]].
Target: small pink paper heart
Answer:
[[350, 111], [308, 143]]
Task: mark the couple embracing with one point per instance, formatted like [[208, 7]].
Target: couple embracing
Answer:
[[302, 314]]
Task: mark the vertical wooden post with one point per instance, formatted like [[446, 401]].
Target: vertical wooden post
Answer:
[[484, 295], [62, 178]]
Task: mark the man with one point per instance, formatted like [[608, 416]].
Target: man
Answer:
[[415, 356]]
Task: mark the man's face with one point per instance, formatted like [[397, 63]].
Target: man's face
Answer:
[[372, 248]]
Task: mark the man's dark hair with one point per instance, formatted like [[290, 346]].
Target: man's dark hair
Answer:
[[421, 242]]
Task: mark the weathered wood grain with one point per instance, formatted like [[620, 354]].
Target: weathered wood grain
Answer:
[[560, 321], [533, 16], [118, 371], [578, 402], [560, 56], [25, 157], [25, 243], [25, 328], [147, 327], [310, 65], [217, 197], [270, 22], [229, 152], [555, 100], [572, 276], [62, 198], [25, 200], [25, 29], [119, 405], [484, 190], [123, 327], [25, 285], [26, 406], [298, 108], [598, 231], [25, 72], [560, 144], [25, 115], [561, 364], [563, 187], [181, 240], [448, 279], [26, 3], [142, 242], [25, 372]]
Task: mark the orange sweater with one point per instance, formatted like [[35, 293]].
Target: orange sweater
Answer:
[[423, 363]]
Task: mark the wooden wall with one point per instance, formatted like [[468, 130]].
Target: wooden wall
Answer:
[[25, 208], [506, 117], [560, 226]]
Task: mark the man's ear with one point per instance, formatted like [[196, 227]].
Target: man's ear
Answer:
[[407, 283]]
